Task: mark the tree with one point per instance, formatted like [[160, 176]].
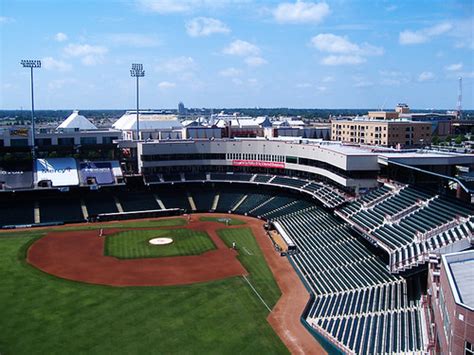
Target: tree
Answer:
[[435, 140]]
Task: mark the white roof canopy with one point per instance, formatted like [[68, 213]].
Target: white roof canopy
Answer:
[[75, 120]]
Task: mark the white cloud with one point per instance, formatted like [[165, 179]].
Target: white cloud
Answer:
[[137, 40], [454, 67], [182, 6], [205, 26], [426, 76], [60, 37], [255, 61], [321, 88], [242, 48], [408, 37], [391, 8], [165, 6], [327, 79], [230, 72], [462, 32], [60, 83], [165, 85], [343, 60], [363, 84], [301, 12], [393, 78], [343, 50], [90, 55], [49, 63], [177, 65]]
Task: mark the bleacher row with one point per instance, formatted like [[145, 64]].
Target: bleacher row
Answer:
[[358, 304], [409, 223], [329, 196], [68, 208]]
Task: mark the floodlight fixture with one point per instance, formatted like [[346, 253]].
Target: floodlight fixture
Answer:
[[29, 63]]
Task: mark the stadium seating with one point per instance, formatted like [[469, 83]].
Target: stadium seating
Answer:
[[358, 302], [228, 200], [174, 198], [195, 176], [203, 198], [231, 177], [279, 180], [60, 209], [98, 202], [137, 201], [15, 211]]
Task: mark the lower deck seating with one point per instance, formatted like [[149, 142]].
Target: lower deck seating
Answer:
[[228, 200], [60, 209], [174, 198], [98, 202], [16, 211], [203, 199], [137, 201]]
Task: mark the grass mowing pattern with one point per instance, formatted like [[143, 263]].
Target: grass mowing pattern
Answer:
[[254, 262], [134, 244], [232, 221], [42, 314]]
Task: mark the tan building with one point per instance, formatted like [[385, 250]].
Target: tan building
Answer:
[[380, 132], [383, 115]]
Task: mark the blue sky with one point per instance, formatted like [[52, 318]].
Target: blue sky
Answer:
[[238, 53]]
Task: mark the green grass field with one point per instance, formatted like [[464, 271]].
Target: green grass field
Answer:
[[42, 314], [134, 244], [251, 257], [232, 221]]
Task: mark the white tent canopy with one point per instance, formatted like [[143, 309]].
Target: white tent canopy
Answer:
[[76, 121]]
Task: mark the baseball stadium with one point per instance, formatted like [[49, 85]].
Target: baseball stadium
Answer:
[[224, 246]]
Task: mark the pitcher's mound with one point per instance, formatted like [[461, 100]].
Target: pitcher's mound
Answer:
[[160, 241]]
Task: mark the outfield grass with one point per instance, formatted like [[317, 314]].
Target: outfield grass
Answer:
[[232, 221], [42, 314], [167, 222], [254, 262], [134, 244]]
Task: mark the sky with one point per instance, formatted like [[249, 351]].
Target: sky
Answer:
[[238, 53]]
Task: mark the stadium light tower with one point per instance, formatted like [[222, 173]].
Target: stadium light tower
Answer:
[[32, 64], [137, 72]]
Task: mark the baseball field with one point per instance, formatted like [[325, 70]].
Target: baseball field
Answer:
[[59, 292]]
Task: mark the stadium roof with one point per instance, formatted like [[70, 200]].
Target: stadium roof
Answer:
[[148, 121], [459, 267], [76, 121]]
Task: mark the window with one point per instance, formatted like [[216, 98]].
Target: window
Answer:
[[19, 142], [88, 140], [468, 348], [108, 140], [65, 141]]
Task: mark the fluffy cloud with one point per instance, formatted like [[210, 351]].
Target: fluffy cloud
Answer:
[[177, 65], [454, 67], [137, 40], [426, 76], [165, 85], [408, 37], [255, 61], [49, 63], [60, 37], [301, 12], [181, 6], [90, 55], [242, 48], [342, 51], [205, 26], [343, 60]]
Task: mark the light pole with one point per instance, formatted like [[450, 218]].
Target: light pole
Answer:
[[137, 72], [32, 64]]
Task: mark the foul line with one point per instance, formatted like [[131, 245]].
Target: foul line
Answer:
[[247, 251], [256, 292]]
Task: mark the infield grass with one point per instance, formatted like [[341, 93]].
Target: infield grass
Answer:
[[42, 314], [134, 244], [232, 221], [251, 257]]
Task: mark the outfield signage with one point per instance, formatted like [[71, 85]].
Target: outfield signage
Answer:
[[259, 164]]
